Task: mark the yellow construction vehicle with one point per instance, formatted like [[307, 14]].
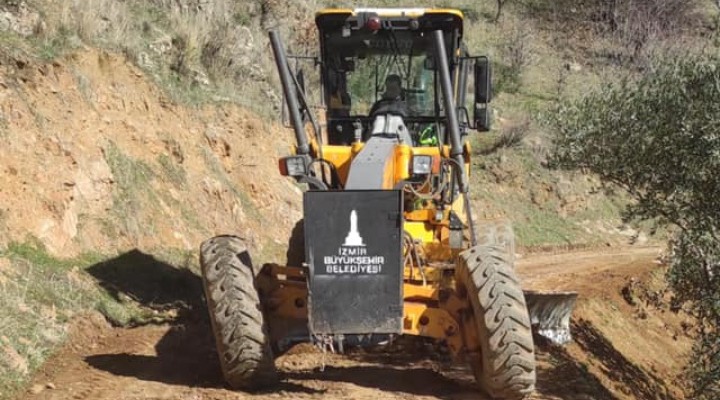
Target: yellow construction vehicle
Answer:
[[388, 242]]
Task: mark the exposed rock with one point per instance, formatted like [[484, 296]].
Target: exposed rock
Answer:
[[19, 18]]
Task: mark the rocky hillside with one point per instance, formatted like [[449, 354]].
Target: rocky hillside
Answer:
[[97, 158]]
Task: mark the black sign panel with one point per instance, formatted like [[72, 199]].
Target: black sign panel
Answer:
[[353, 245]]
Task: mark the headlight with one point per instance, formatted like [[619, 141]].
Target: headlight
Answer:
[[422, 164], [293, 166]]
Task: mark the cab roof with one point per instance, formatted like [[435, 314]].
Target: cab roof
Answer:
[[441, 18], [391, 12]]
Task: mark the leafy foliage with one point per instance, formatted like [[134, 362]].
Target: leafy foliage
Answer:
[[695, 276], [659, 138]]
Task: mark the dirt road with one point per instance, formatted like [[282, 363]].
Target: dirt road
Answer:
[[179, 361]]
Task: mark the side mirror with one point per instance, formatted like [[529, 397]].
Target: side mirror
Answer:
[[482, 117], [483, 94], [483, 80]]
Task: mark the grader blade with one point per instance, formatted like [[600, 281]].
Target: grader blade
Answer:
[[550, 314]]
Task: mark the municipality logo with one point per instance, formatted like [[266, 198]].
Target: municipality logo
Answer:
[[352, 256], [353, 237]]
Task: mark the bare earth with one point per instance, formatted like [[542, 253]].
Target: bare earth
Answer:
[[615, 355]]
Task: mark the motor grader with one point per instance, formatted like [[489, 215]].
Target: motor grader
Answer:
[[389, 245]]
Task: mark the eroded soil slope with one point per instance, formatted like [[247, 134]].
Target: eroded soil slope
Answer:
[[96, 158]]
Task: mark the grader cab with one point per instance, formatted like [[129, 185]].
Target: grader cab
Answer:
[[388, 241]]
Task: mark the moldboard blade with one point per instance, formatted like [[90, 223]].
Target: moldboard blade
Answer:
[[550, 313]]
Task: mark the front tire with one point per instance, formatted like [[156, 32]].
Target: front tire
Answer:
[[505, 367], [241, 334]]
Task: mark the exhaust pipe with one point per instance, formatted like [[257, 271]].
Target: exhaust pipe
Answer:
[[290, 94], [456, 147]]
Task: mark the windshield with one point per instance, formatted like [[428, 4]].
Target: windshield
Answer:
[[362, 68]]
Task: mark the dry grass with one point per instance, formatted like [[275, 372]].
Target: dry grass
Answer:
[[39, 294], [199, 51], [516, 52], [96, 18]]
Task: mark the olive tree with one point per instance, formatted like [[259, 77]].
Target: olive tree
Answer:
[[658, 137]]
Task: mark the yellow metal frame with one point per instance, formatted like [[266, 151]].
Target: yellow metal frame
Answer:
[[426, 310], [434, 305]]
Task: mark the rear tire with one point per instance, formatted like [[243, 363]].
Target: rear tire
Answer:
[[505, 369], [241, 334]]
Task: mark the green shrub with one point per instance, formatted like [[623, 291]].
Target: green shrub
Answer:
[[658, 136]]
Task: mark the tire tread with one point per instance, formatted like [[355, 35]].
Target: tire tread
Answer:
[[507, 366], [241, 334]]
